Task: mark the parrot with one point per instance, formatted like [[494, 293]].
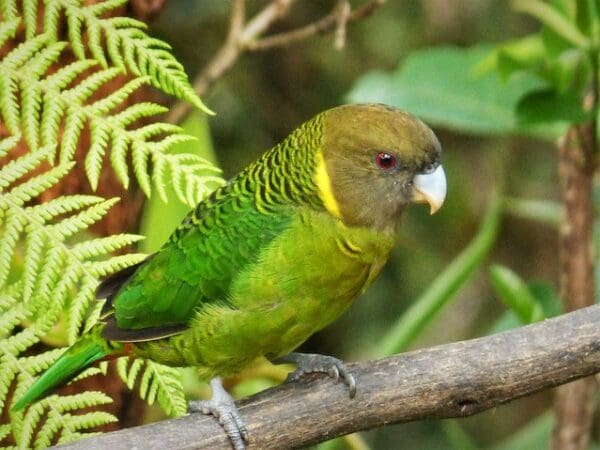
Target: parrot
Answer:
[[269, 258]]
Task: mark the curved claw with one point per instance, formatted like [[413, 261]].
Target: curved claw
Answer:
[[348, 379], [222, 406], [334, 373], [310, 363]]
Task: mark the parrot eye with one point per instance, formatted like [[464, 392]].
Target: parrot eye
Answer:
[[386, 161]]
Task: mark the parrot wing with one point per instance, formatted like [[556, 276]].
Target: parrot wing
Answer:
[[158, 297]]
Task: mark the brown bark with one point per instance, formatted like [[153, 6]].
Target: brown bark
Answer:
[[452, 380], [574, 402]]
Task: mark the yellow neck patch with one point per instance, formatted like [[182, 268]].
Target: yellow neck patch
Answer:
[[324, 185]]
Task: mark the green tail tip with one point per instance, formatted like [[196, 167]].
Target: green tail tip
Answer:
[[73, 361]]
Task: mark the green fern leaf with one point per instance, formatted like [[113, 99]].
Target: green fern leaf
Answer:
[[48, 266], [4, 430], [66, 95], [78, 308], [6, 145], [53, 267], [157, 383], [93, 161], [8, 102], [15, 169], [9, 9], [140, 165], [35, 245], [30, 9], [12, 229], [51, 19], [128, 47], [8, 29], [58, 275], [73, 125], [118, 158], [103, 268]]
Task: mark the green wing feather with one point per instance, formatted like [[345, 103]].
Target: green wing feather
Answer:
[[215, 242], [194, 270]]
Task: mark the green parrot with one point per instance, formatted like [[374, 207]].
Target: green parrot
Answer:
[[270, 258]]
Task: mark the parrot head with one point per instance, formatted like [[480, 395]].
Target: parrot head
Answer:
[[375, 160]]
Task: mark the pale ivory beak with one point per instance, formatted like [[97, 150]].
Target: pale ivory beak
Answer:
[[430, 188]]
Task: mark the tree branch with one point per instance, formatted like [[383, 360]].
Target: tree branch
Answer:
[[452, 380], [327, 24], [247, 37]]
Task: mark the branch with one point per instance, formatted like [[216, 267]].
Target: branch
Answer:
[[244, 37], [337, 18], [452, 380]]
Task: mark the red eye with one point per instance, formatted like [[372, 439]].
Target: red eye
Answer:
[[386, 161]]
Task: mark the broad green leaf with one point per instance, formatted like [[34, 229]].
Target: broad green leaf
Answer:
[[507, 321], [566, 65], [547, 297], [444, 87], [457, 435], [546, 106], [534, 435]]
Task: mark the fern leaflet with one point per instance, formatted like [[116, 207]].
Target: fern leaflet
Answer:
[[37, 103], [42, 274], [158, 383]]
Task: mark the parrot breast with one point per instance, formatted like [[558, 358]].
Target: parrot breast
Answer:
[[302, 281]]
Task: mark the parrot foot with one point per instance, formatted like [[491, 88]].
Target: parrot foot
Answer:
[[222, 406], [312, 362]]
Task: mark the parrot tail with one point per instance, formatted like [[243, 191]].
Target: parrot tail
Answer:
[[88, 349]]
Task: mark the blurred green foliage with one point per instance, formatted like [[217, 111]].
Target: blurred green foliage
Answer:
[[445, 85], [159, 219], [497, 86]]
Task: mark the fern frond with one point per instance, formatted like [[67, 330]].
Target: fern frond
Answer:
[[70, 425], [8, 29], [9, 9], [4, 431], [66, 95], [15, 169], [58, 421], [157, 383], [100, 369], [57, 275], [54, 268], [49, 267], [118, 41], [27, 428]]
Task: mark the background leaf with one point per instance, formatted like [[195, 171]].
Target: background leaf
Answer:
[[442, 86], [159, 219]]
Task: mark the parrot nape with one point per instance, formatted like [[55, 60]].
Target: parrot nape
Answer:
[[273, 256]]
